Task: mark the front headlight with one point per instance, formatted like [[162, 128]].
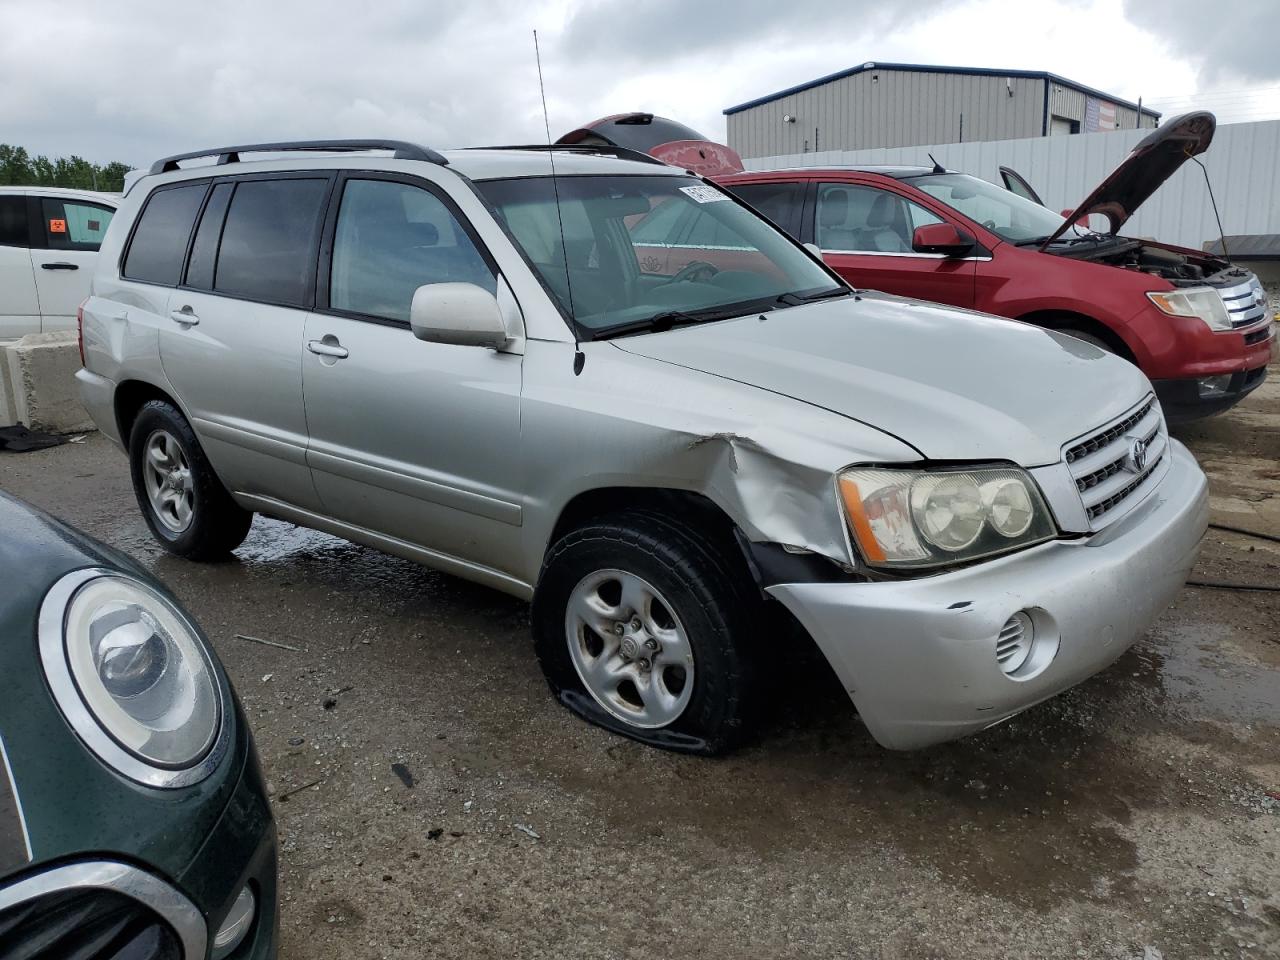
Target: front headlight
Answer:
[[133, 677], [1201, 302], [927, 518]]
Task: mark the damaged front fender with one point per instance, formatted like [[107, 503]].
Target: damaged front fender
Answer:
[[767, 461]]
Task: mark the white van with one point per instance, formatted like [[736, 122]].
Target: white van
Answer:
[[49, 240]]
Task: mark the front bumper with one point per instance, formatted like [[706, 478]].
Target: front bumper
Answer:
[[1182, 399], [918, 657]]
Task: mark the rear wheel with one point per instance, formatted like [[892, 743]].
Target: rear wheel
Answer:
[[645, 627], [184, 503]]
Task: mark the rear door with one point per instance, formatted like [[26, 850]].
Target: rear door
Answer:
[[410, 439], [232, 341], [865, 234], [67, 234], [19, 302]]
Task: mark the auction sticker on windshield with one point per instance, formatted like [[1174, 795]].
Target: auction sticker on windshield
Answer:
[[703, 194]]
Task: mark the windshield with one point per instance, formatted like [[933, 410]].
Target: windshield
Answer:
[[1005, 214], [645, 248]]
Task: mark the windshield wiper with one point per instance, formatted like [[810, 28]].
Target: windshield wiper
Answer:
[[1031, 241], [795, 299], [660, 322]]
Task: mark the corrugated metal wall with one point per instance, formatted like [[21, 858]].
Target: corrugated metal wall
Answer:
[[1243, 163], [1070, 104], [890, 108]]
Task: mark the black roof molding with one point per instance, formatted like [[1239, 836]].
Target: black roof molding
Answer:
[[401, 150], [928, 68]]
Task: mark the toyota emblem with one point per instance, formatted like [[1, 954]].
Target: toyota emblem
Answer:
[[1138, 455]]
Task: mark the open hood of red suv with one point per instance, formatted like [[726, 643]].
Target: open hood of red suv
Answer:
[[1153, 161]]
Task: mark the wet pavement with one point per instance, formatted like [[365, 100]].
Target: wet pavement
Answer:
[[1136, 816]]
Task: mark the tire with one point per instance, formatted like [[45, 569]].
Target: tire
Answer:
[[702, 605], [184, 503]]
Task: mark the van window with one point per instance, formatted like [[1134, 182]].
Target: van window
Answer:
[[160, 240], [392, 238], [73, 225], [13, 221], [268, 248]]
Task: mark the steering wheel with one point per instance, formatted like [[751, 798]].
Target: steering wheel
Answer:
[[695, 270]]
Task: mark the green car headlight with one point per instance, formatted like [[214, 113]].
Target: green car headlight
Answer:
[[132, 676], [929, 518]]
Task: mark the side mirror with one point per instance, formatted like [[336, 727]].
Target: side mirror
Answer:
[[941, 238], [459, 313]]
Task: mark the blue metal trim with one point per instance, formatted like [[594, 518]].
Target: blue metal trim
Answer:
[[956, 71]]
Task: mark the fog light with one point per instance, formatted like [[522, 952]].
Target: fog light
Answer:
[[237, 924], [1210, 387]]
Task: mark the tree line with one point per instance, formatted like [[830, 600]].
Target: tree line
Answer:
[[20, 169]]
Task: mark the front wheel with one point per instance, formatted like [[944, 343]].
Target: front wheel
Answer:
[[184, 503], [645, 628]]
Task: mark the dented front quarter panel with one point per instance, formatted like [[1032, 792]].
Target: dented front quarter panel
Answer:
[[769, 462]]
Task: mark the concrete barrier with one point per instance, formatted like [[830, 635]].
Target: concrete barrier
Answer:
[[38, 385]]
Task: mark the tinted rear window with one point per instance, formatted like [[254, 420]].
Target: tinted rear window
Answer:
[[204, 250], [268, 249], [636, 134], [13, 221], [160, 240]]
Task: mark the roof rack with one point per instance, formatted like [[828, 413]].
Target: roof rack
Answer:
[[401, 151], [603, 149]]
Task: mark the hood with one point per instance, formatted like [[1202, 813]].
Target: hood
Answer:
[[953, 384], [666, 140], [1153, 161]]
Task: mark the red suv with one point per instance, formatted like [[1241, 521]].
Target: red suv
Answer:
[[1199, 327]]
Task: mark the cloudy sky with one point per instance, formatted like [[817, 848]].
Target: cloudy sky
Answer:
[[135, 79]]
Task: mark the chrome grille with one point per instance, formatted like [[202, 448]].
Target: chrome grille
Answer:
[[1246, 303], [1113, 465]]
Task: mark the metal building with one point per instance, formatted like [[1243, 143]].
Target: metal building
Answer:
[[903, 105]]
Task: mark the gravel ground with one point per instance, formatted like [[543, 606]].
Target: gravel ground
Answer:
[[434, 802]]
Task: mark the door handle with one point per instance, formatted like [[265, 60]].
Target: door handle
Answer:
[[186, 316], [60, 265], [325, 348]]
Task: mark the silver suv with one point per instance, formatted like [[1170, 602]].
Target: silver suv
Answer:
[[619, 392]]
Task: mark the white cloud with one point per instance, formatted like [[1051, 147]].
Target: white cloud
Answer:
[[135, 79]]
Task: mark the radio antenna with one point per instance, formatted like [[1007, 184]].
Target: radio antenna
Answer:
[[579, 359]]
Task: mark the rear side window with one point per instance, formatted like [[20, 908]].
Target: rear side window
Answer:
[[13, 221], [204, 249], [75, 225], [780, 202], [268, 249], [160, 239]]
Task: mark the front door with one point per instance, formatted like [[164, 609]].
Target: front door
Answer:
[[413, 440], [69, 232], [865, 235]]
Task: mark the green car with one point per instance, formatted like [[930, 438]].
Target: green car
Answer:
[[134, 822]]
